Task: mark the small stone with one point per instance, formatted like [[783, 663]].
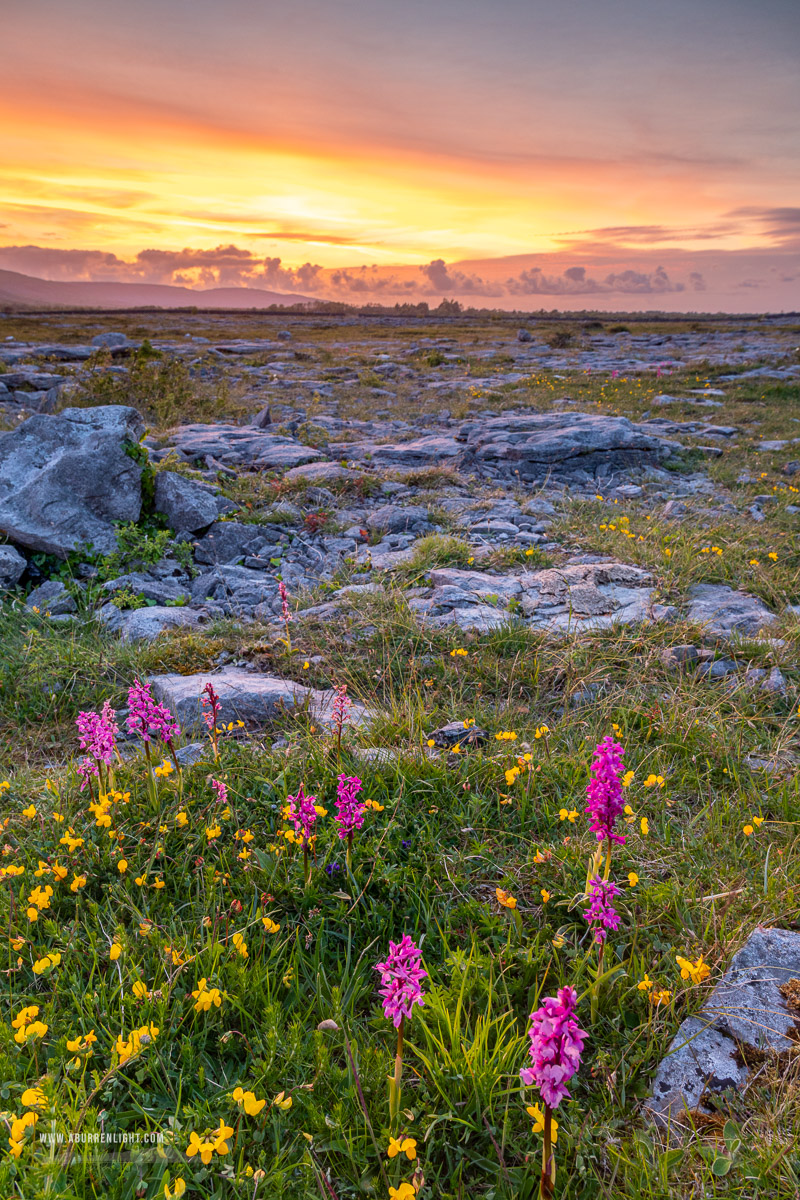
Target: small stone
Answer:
[[677, 657], [12, 567], [187, 756], [456, 733], [188, 507], [53, 598], [110, 341]]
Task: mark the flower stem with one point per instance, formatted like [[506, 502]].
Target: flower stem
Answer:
[[548, 1161], [394, 1082]]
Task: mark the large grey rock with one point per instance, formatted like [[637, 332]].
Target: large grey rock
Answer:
[[746, 1009], [746, 1004], [561, 444], [245, 696], [110, 341], [727, 613], [699, 1058], [65, 479], [422, 452], [187, 506], [146, 624], [12, 565], [52, 598], [244, 445], [392, 518], [228, 541], [246, 587], [320, 472]]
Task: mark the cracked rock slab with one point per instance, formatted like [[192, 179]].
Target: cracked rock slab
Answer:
[[746, 1009], [245, 696], [565, 599], [244, 445]]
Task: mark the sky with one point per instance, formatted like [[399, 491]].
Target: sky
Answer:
[[493, 148]]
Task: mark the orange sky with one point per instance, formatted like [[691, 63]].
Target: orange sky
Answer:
[[349, 133]]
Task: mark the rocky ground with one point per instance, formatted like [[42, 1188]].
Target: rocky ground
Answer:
[[572, 522]]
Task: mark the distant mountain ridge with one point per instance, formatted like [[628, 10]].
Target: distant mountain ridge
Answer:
[[27, 290]]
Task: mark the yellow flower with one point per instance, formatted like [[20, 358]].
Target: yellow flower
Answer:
[[511, 775], [178, 1189], [181, 820], [60, 872], [536, 1113], [44, 964], [198, 1145], [270, 925], [660, 996], [206, 997], [247, 1101], [122, 866], [508, 736], [646, 984], [758, 821], [78, 882], [505, 898], [282, 1101], [240, 944], [458, 653], [773, 556], [115, 951], [140, 990], [158, 884], [570, 815], [697, 972], [213, 831], [221, 1136], [654, 781], [407, 1146], [165, 769], [627, 778], [747, 830], [644, 825], [545, 895], [29, 812], [406, 1191], [36, 1029], [139, 1038], [541, 732], [33, 1098], [633, 879], [306, 665]]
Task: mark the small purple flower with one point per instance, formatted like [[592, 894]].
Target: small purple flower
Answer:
[[221, 790], [332, 868], [401, 976], [98, 732], [150, 720], [405, 844], [349, 809], [287, 616], [211, 706], [601, 913], [304, 815], [556, 1046], [604, 792]]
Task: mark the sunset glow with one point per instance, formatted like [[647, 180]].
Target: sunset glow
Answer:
[[350, 134]]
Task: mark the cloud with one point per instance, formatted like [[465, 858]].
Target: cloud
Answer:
[[645, 235], [442, 282], [782, 225], [575, 281]]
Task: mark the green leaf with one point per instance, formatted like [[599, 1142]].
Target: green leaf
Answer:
[[721, 1165]]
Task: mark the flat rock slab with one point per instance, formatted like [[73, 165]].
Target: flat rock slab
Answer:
[[146, 624], [65, 479], [560, 444], [565, 600], [728, 613], [242, 445], [745, 1009], [245, 696], [422, 452]]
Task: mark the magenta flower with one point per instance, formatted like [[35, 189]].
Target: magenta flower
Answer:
[[556, 1046], [150, 720], [210, 702], [304, 815], [401, 977], [221, 790], [601, 913], [287, 616], [604, 792], [98, 732], [349, 809]]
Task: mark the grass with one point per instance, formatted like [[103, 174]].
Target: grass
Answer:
[[299, 1018]]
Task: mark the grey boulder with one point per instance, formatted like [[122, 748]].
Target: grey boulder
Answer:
[[12, 565], [746, 1008], [187, 506], [727, 613], [245, 696], [146, 624], [65, 479], [52, 598], [560, 444]]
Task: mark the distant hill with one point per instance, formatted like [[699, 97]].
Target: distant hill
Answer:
[[27, 291]]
